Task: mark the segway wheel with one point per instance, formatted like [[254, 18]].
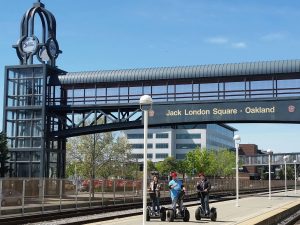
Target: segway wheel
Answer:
[[170, 215], [186, 217], [213, 214], [163, 214], [197, 214], [148, 215]]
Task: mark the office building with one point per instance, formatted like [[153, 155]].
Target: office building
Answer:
[[179, 140]]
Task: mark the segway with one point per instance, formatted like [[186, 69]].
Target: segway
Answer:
[[199, 213], [153, 214], [176, 214]]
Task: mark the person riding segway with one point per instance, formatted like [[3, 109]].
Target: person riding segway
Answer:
[[177, 192], [203, 211], [154, 192]]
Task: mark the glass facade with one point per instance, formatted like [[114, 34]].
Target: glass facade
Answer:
[[219, 137], [187, 146], [180, 156], [161, 156], [24, 108], [138, 136], [24, 120], [162, 145], [188, 136], [141, 156], [141, 146], [31, 153], [162, 135]]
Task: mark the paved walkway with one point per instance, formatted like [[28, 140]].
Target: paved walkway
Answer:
[[251, 209]]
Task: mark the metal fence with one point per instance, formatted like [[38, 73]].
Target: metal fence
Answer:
[[24, 196]]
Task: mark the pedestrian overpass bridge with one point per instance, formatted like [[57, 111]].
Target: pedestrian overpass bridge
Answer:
[[263, 159], [237, 92]]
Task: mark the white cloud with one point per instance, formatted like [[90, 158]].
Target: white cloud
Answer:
[[273, 36], [217, 40], [226, 41], [239, 45]]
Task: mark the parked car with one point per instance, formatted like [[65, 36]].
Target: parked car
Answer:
[[10, 197]]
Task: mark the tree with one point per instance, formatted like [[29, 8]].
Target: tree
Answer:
[[182, 167], [212, 163], [4, 155], [131, 171], [151, 166], [192, 161], [199, 160], [290, 173], [97, 155], [226, 163], [119, 156], [165, 167]]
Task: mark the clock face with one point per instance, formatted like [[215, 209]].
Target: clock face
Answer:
[[52, 48], [43, 54], [29, 44]]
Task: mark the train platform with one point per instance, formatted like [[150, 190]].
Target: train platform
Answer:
[[252, 210]]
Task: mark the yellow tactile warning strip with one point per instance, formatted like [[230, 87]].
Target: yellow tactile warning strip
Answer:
[[262, 219]]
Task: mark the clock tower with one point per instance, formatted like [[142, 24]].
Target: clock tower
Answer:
[[29, 88], [45, 48]]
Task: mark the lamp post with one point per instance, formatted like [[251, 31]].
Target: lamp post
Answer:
[[270, 152], [145, 105], [237, 140], [295, 165], [285, 186]]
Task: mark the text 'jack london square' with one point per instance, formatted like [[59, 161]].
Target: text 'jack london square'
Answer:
[[262, 110]]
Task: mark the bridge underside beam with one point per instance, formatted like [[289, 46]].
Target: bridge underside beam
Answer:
[[81, 120], [96, 129]]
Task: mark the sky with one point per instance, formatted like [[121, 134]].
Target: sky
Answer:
[[118, 34]]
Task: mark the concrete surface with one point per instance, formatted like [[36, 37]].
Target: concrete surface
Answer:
[[251, 210]]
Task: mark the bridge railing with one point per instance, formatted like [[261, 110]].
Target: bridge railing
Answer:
[[169, 91], [23, 196]]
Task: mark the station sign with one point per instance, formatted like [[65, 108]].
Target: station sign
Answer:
[[285, 111]]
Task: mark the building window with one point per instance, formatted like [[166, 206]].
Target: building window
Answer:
[[162, 145], [161, 156], [187, 146], [188, 136], [138, 136], [137, 156], [162, 135], [141, 146], [138, 146], [180, 156], [23, 156], [141, 156]]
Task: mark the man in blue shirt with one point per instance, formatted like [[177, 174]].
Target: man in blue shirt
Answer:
[[175, 186]]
